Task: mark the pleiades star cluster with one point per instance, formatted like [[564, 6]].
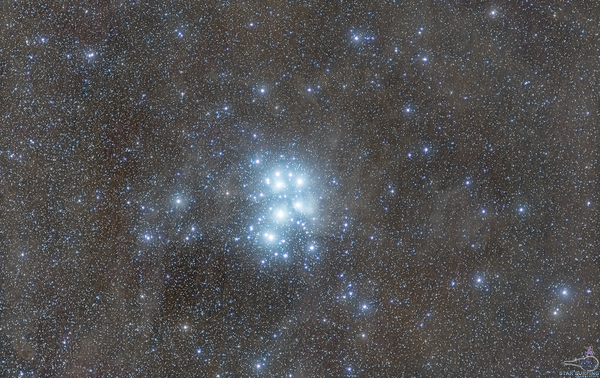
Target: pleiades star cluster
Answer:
[[299, 188]]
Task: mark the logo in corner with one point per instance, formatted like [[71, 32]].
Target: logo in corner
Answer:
[[586, 363]]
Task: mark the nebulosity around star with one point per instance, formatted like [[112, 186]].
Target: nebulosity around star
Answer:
[[284, 215]]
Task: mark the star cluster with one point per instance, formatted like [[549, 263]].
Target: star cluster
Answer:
[[298, 189]]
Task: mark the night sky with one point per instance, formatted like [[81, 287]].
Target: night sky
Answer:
[[298, 188]]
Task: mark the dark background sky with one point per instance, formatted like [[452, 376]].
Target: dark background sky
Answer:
[[446, 223]]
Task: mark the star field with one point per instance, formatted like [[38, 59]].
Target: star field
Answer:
[[299, 189]]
